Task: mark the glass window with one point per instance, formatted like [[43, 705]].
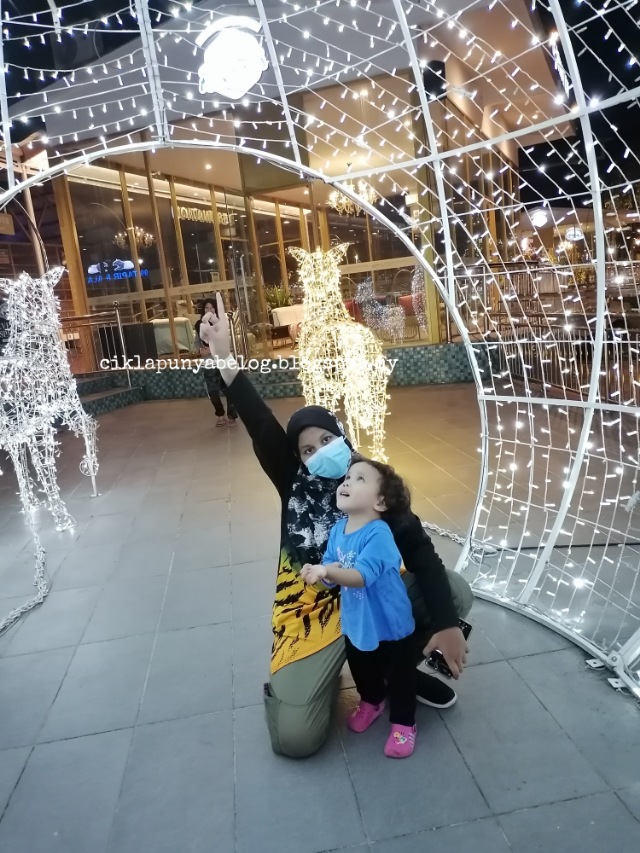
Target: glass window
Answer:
[[386, 244], [234, 232], [264, 217], [102, 234], [167, 230], [146, 247], [306, 225], [352, 230], [291, 237], [232, 216], [198, 237], [290, 222]]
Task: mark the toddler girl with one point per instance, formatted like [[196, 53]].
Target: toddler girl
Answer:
[[377, 623]]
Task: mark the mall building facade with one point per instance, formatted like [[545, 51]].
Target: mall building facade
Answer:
[[160, 229]]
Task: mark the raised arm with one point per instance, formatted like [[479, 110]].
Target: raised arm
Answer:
[[270, 444], [422, 560]]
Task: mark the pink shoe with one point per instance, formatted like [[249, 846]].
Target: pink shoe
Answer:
[[401, 742], [221, 422], [363, 716], [232, 422]]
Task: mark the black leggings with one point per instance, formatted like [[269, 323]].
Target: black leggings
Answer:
[[215, 384], [394, 661]]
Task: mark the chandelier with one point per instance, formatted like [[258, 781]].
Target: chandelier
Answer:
[[142, 238], [344, 205]]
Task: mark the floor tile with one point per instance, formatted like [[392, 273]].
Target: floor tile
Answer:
[[205, 488], [432, 788], [513, 634], [191, 523], [481, 649], [190, 674], [90, 566], [264, 540], [17, 578], [493, 702], [177, 793], [602, 723], [589, 825], [126, 609], [12, 762], [531, 772], [251, 649], [478, 836], [253, 588], [61, 804], [16, 538], [201, 550], [100, 528], [7, 606], [115, 501], [145, 559], [265, 783], [148, 522], [631, 798], [102, 690], [197, 598], [205, 514], [29, 684], [59, 622]]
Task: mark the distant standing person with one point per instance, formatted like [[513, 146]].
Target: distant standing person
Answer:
[[213, 381]]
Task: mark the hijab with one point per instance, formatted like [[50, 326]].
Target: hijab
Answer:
[[311, 511]]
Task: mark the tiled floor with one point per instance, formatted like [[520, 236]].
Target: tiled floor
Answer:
[[130, 703]]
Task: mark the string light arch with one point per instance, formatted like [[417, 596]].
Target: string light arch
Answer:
[[480, 112]]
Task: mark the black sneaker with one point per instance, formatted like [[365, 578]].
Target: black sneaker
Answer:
[[433, 692]]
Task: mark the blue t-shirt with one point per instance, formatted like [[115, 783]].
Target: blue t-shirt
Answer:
[[380, 610]]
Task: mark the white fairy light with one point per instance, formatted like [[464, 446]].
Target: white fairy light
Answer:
[[37, 395], [341, 361], [509, 300], [389, 319], [418, 297], [343, 205]]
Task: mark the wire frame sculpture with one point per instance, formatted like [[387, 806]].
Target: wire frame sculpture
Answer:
[[489, 130], [38, 394], [341, 361]]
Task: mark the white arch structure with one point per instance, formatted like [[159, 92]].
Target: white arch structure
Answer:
[[555, 533]]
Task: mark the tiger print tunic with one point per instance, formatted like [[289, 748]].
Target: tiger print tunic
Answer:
[[305, 618]]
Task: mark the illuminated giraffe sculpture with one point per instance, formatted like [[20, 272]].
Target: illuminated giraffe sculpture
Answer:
[[340, 360]]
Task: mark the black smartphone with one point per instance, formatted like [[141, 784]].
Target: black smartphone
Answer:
[[436, 658]]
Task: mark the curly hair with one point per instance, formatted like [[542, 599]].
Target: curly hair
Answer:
[[393, 489]]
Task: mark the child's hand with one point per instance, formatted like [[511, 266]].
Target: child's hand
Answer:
[[312, 574]]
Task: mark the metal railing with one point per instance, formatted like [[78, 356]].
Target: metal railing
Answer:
[[565, 362], [96, 342]]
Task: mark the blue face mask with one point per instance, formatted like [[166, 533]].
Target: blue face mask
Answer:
[[331, 461]]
